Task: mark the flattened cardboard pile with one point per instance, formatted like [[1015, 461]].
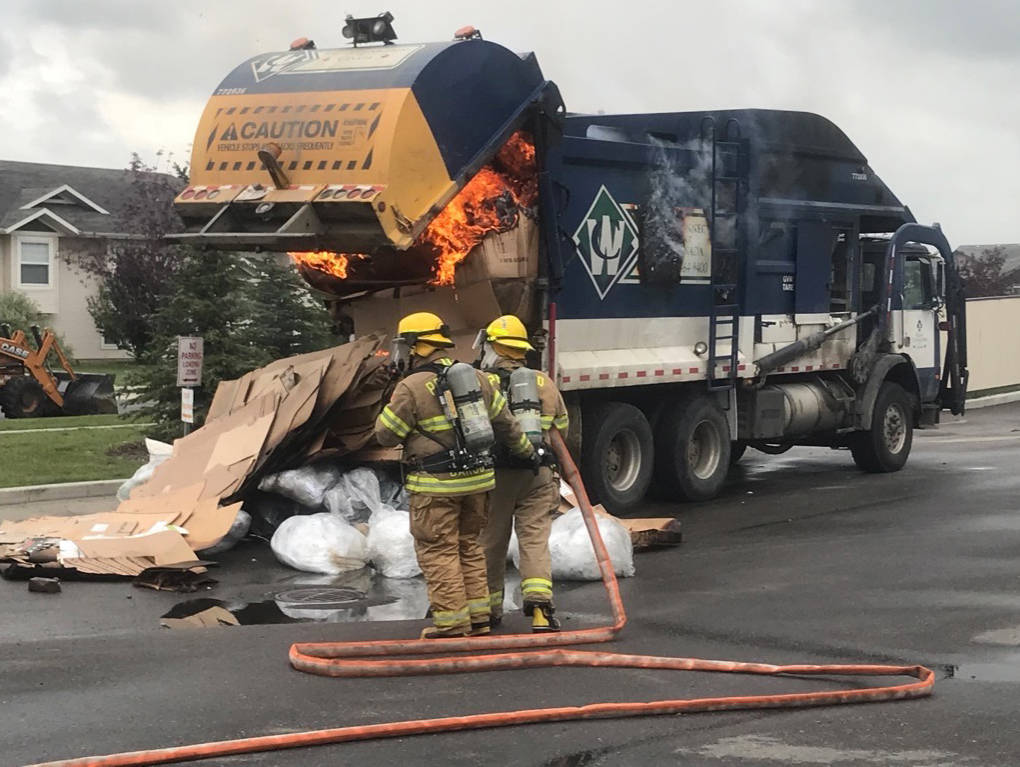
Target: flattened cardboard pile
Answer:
[[267, 420], [645, 534]]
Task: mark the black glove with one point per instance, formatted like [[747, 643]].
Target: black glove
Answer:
[[536, 460]]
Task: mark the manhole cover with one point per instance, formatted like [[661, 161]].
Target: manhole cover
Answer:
[[322, 597]]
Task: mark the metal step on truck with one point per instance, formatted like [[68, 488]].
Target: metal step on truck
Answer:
[[699, 282]]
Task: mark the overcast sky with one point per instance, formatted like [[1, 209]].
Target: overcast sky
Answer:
[[929, 90]]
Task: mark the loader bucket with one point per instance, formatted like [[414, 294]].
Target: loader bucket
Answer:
[[90, 394], [351, 150]]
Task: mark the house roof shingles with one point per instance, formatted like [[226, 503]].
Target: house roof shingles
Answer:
[[24, 182]]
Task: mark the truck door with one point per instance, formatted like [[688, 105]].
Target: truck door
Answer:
[[917, 330]]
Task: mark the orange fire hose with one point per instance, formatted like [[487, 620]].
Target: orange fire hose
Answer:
[[357, 659]]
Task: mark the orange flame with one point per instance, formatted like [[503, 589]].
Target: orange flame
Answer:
[[323, 261], [489, 202]]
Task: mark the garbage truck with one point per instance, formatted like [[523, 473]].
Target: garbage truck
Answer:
[[697, 282]]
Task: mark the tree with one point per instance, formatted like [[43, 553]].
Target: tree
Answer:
[[288, 320], [210, 297], [249, 311], [134, 276], [21, 313], [984, 274]]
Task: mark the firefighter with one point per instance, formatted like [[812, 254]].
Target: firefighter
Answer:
[[522, 498], [447, 479]]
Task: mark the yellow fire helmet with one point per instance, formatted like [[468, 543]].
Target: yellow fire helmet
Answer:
[[508, 331], [424, 332]]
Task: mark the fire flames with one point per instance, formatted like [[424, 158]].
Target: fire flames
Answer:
[[324, 261], [490, 202]]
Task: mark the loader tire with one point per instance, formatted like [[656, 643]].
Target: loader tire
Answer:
[[23, 397], [617, 455], [886, 445], [692, 450]]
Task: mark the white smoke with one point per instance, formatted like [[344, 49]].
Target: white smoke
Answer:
[[673, 185]]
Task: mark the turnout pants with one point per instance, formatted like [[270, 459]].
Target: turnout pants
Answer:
[[445, 531], [527, 502]]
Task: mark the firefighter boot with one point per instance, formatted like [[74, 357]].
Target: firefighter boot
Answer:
[[434, 632], [480, 628], [542, 619]]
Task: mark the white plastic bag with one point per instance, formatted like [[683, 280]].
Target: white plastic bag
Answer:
[[572, 553], [158, 452], [390, 544], [355, 497], [320, 543], [307, 485], [238, 529], [513, 549]]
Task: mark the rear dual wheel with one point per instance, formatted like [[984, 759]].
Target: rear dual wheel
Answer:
[[692, 449], [617, 455]]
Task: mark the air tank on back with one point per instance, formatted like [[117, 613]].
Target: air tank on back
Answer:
[[525, 403], [475, 426]]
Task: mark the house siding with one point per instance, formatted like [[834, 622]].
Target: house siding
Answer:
[[65, 304]]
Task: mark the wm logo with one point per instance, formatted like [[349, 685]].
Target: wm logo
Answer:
[[607, 241]]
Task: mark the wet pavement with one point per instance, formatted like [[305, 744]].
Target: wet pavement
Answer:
[[803, 559]]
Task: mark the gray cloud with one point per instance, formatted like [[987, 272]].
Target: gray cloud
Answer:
[[6, 55], [949, 28]]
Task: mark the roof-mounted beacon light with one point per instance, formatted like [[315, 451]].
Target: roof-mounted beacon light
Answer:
[[467, 33], [373, 29]]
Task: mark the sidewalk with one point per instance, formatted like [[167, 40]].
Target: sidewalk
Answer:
[[67, 498]]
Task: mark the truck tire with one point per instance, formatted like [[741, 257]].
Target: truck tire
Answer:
[[617, 455], [886, 445], [737, 450], [692, 449], [23, 397]]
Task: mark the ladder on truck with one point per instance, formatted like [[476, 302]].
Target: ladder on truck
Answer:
[[729, 190]]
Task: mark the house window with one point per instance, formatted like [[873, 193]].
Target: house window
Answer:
[[35, 262], [107, 344]]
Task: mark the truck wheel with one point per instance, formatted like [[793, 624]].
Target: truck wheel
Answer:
[[692, 449], [617, 455], [885, 447], [737, 450], [23, 397]]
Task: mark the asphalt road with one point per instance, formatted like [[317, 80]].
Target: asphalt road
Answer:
[[803, 559]]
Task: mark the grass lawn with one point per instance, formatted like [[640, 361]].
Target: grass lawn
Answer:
[[20, 424], [69, 456]]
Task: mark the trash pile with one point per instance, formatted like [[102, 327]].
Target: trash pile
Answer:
[[284, 456], [187, 504]]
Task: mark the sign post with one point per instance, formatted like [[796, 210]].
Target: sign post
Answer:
[[189, 375]]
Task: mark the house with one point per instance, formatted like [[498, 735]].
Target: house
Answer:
[[47, 214]]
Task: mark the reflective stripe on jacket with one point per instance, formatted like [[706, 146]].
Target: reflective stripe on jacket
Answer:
[[414, 417]]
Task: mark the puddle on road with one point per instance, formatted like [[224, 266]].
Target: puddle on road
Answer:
[[1005, 670], [347, 598], [579, 759], [350, 597]]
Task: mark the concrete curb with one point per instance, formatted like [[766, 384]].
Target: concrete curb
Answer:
[[993, 399], [65, 491]]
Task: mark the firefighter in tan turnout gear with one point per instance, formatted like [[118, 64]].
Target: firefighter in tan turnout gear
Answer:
[[448, 416], [523, 498]]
